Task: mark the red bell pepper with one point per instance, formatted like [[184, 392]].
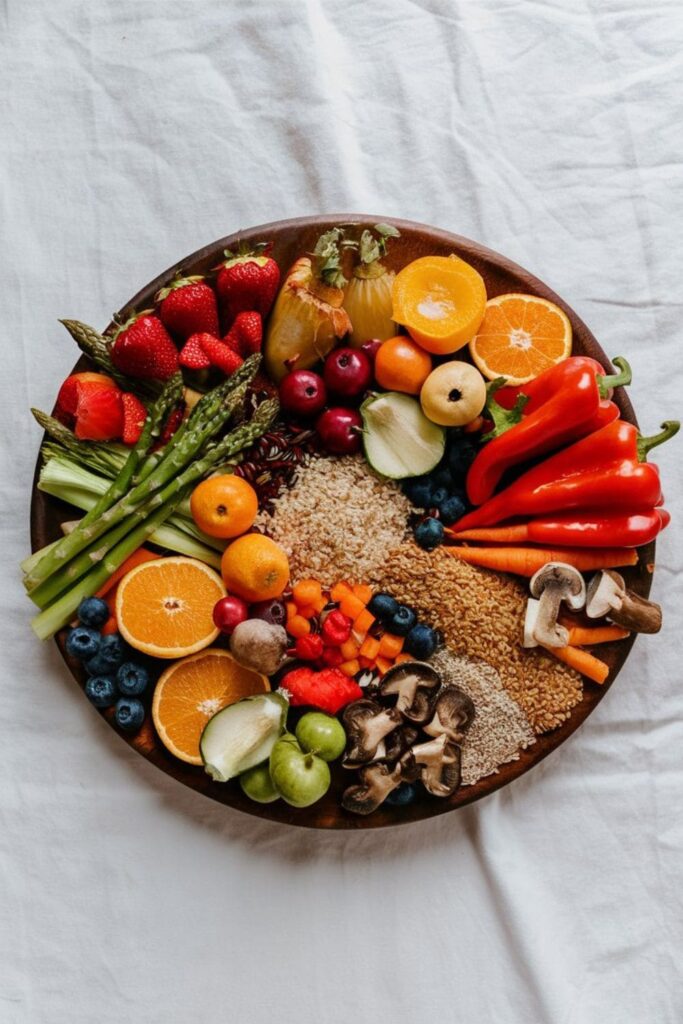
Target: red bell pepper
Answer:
[[565, 403], [603, 471], [580, 529]]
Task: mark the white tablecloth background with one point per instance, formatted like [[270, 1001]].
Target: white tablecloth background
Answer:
[[131, 133]]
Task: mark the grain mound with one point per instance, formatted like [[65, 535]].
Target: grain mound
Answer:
[[481, 615], [337, 521]]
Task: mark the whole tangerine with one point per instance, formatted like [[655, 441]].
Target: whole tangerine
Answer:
[[255, 568], [401, 365], [224, 506]]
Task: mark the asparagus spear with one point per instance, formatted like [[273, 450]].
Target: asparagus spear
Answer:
[[102, 457]]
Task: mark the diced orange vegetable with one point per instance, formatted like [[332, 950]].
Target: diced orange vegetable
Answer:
[[383, 665], [370, 648], [390, 646], [137, 558], [364, 622], [298, 626], [403, 657], [349, 649], [350, 605], [320, 603], [366, 662], [340, 591], [308, 611], [363, 592], [350, 668], [307, 592], [292, 610]]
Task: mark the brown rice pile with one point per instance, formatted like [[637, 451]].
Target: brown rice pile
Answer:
[[481, 615], [337, 521], [500, 728]]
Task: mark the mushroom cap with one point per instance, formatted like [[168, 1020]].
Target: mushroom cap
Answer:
[[376, 782], [439, 762], [453, 714], [609, 596], [605, 592], [367, 723], [416, 684], [560, 575]]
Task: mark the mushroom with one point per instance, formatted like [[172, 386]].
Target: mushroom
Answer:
[[439, 762], [554, 583], [453, 715], [397, 744], [366, 724], [416, 685], [608, 596], [376, 782]]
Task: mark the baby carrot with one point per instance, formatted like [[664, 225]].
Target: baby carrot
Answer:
[[137, 558], [584, 636], [587, 664], [523, 561], [493, 534]]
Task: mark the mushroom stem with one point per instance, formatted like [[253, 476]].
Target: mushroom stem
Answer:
[[548, 630], [609, 597]]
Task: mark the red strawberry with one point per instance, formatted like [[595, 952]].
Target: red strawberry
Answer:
[[67, 399], [221, 355], [246, 334], [192, 355], [144, 348], [99, 412], [329, 689], [175, 418], [247, 281], [187, 306], [134, 416]]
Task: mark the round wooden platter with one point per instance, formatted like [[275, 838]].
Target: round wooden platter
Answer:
[[290, 239]]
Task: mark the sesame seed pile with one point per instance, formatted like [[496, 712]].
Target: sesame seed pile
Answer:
[[481, 615]]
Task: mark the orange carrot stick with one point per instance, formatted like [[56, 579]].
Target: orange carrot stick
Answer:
[[493, 534], [137, 558], [587, 664], [585, 636], [523, 561]]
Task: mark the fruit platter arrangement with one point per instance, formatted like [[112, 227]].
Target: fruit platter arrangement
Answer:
[[344, 523]]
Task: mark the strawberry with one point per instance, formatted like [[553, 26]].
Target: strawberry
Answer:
[[175, 418], [247, 281], [192, 355], [99, 412], [329, 689], [67, 398], [142, 347], [187, 306], [246, 334], [220, 355], [134, 416]]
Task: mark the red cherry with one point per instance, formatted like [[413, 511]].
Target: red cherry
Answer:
[[303, 393], [228, 613], [340, 431], [348, 372]]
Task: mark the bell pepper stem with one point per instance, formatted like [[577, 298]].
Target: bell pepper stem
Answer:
[[645, 444], [502, 418], [607, 383]]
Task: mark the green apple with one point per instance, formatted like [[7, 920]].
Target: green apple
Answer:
[[321, 734], [258, 785], [300, 777]]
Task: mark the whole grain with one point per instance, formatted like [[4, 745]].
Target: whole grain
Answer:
[[481, 615]]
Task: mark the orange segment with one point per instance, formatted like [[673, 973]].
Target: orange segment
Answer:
[[520, 337], [441, 301], [165, 607], [192, 691]]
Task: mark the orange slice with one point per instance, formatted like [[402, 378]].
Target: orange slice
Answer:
[[441, 301], [520, 337], [165, 607], [192, 691]]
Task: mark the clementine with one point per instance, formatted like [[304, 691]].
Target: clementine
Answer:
[[224, 506], [402, 365], [255, 568]]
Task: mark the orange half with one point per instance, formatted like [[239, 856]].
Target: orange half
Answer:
[[440, 300], [192, 691], [520, 337], [165, 607]]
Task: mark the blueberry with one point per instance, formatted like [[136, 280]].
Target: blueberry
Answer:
[[93, 611], [383, 607], [109, 656], [129, 714], [439, 496], [419, 490], [421, 642], [83, 643], [132, 679], [101, 691], [402, 621], [443, 478], [403, 795], [452, 510], [460, 457], [429, 533]]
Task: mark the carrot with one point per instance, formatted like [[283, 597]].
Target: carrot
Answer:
[[390, 646], [110, 626], [340, 590], [587, 664], [350, 668], [363, 622], [400, 658], [522, 561], [383, 665], [363, 592], [137, 558], [370, 648], [582, 636], [349, 649], [493, 534], [350, 605]]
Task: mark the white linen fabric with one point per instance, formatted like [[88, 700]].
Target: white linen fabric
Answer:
[[132, 133]]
